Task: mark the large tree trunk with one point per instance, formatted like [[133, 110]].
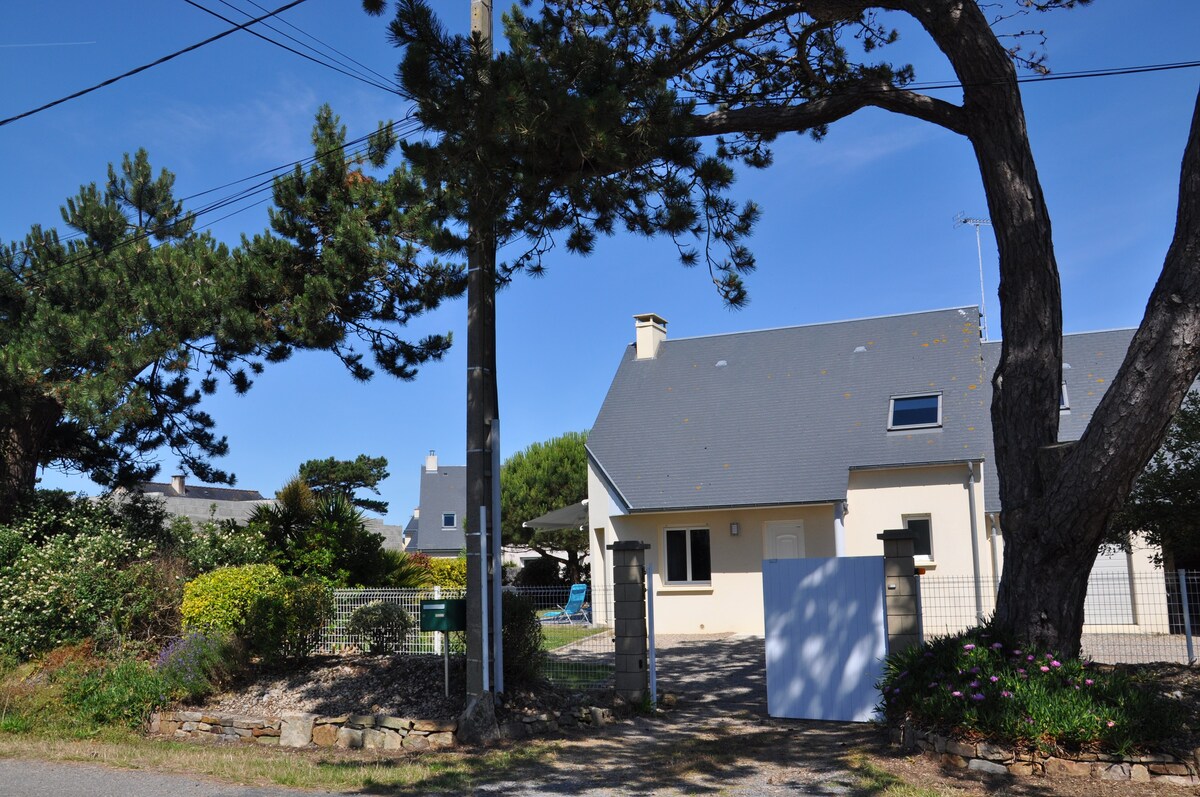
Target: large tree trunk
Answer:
[[1057, 499], [23, 437]]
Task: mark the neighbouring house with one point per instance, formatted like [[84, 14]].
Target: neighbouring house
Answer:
[[437, 525], [203, 503], [725, 450]]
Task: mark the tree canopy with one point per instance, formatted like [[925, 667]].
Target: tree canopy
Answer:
[[602, 116], [345, 477], [111, 334], [1164, 505], [544, 477]]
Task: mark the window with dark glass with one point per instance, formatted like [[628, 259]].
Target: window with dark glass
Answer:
[[922, 536], [449, 520], [1063, 402], [688, 556], [912, 412]]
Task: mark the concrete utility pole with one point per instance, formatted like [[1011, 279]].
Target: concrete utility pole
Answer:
[[482, 403]]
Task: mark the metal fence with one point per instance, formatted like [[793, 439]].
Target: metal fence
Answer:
[[580, 653], [1128, 619]]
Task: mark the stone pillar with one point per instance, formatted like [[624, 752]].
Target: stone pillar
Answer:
[[902, 590], [629, 609]]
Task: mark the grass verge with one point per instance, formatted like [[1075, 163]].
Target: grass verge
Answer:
[[451, 771]]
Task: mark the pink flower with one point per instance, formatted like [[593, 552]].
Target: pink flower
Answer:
[[956, 693], [977, 697], [997, 645], [1055, 663], [1110, 723], [1088, 682], [968, 647], [1006, 693], [994, 678], [1029, 657], [1044, 668]]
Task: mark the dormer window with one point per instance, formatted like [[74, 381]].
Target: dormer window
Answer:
[[1064, 403], [922, 411], [448, 520]]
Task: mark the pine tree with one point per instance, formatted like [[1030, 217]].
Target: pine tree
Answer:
[[597, 127], [111, 335]]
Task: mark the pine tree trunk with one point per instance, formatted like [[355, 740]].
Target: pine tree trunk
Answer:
[[23, 438]]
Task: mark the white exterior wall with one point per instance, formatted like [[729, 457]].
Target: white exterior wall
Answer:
[[733, 600], [880, 499]]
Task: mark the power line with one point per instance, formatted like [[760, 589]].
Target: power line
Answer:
[[150, 65], [294, 51], [326, 45], [248, 192]]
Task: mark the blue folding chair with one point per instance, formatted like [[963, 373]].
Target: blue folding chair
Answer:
[[573, 610]]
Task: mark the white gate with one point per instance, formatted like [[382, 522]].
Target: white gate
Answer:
[[826, 637]]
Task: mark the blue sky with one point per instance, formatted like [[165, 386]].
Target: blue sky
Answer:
[[860, 224]]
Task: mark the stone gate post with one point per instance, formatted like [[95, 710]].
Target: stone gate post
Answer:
[[901, 589], [629, 609]]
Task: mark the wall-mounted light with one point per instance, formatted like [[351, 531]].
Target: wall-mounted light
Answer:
[[734, 529]]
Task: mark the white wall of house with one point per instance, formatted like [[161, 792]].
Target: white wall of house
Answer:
[[884, 498]]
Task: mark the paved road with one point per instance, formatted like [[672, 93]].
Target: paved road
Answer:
[[38, 779]]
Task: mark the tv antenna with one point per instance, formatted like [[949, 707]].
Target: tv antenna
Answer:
[[962, 219]]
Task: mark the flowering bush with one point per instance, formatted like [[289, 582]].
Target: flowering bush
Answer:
[[195, 665], [981, 686], [63, 588]]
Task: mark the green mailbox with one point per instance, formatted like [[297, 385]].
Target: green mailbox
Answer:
[[445, 614]]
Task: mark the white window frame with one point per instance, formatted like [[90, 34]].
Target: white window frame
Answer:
[[904, 427], [921, 557], [1064, 401], [453, 520], [687, 530]]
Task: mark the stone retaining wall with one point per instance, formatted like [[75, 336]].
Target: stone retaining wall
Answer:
[[357, 731], [985, 757]]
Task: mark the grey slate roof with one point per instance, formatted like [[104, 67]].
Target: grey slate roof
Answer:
[[781, 416], [443, 490], [1094, 359], [201, 492]]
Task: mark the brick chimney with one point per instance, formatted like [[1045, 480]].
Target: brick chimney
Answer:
[[651, 331], [431, 462], [177, 484]]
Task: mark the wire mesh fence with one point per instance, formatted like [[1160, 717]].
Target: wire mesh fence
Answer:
[[1128, 619], [580, 652]]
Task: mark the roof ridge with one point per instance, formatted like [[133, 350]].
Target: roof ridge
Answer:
[[825, 323]]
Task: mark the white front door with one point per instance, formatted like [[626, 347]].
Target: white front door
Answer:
[[783, 539]]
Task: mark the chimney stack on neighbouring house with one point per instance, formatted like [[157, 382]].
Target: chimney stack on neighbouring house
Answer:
[[651, 331], [177, 484], [431, 462]]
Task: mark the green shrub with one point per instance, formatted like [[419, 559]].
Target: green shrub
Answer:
[[212, 545], [524, 658], [386, 626], [981, 685], [404, 570], [285, 621], [196, 665], [222, 600], [121, 694], [540, 572], [448, 573]]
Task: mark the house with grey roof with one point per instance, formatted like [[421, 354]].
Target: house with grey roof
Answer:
[[201, 503], [437, 526], [725, 450]]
